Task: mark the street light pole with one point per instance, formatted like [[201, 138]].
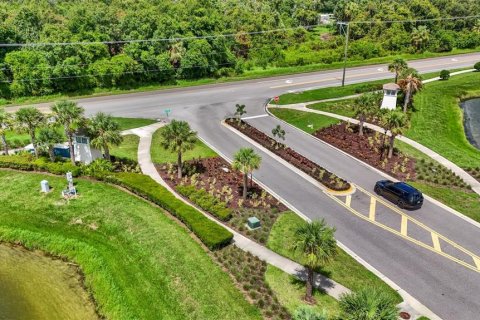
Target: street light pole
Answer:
[[347, 35]]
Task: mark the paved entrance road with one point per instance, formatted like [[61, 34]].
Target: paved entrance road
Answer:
[[446, 287]]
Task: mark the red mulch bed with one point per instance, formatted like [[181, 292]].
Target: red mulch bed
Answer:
[[367, 148], [213, 176], [320, 174]]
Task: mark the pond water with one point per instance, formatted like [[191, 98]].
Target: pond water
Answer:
[[471, 110], [33, 286]]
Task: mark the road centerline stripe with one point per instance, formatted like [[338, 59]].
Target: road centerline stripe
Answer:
[[373, 203], [348, 201], [436, 242], [404, 225]]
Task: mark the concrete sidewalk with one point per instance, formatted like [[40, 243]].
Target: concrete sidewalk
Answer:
[[331, 287]]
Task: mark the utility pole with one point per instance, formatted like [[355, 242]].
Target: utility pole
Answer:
[[344, 25]]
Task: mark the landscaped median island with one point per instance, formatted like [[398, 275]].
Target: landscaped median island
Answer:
[[328, 179]]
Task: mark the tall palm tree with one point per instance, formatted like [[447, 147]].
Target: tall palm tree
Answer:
[[420, 37], [178, 137], [410, 83], [6, 123], [316, 242], [245, 161], [397, 66], [368, 304], [47, 138], [70, 116], [365, 105], [396, 122], [28, 120], [105, 132]]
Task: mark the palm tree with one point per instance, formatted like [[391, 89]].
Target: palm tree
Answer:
[[177, 50], [47, 138], [106, 132], [316, 242], [476, 27], [240, 111], [410, 83], [420, 37], [365, 105], [396, 122], [368, 304], [245, 161], [397, 66], [278, 132], [28, 120], [6, 123], [71, 116], [178, 137]]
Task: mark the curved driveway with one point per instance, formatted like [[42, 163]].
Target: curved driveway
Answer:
[[448, 288]]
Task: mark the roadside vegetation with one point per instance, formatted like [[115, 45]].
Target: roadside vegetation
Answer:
[[124, 248], [59, 71]]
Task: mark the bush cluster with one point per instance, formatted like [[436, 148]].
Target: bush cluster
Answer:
[[210, 233], [28, 163], [206, 201]]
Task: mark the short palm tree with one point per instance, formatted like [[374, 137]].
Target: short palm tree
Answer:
[[397, 66], [396, 122], [47, 138], [365, 105], [178, 137], [6, 124], [410, 83], [70, 116], [105, 132], [28, 120], [239, 111], [316, 243], [279, 133], [420, 37], [245, 161], [368, 304]]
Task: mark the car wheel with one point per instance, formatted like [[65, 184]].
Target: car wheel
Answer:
[[400, 204], [377, 189]]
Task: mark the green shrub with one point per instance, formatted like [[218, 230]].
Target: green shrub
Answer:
[[444, 74], [211, 234], [206, 201], [477, 66]]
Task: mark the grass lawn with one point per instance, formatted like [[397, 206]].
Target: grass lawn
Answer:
[[131, 123], [344, 269], [138, 263], [128, 149], [437, 121], [347, 90], [160, 155], [290, 292], [467, 203], [303, 120], [341, 107]]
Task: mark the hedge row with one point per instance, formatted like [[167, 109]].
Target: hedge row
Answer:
[[206, 201], [212, 235]]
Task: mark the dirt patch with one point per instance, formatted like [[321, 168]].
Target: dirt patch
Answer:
[[314, 170], [369, 149]]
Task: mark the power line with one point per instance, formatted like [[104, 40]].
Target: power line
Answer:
[[412, 20]]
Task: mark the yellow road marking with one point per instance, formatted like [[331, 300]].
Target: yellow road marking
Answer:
[[403, 228], [348, 200], [417, 242], [373, 203], [436, 242], [477, 262]]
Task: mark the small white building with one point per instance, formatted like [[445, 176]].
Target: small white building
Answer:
[[390, 92], [84, 152]]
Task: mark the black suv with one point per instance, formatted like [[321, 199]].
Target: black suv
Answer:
[[400, 193]]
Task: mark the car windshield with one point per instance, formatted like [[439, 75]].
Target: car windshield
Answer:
[[414, 197]]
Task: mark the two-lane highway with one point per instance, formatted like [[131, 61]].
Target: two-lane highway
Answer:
[[447, 287]]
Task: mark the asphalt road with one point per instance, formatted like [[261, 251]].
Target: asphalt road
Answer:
[[446, 287]]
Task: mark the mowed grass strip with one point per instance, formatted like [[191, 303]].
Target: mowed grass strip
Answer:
[[437, 121], [128, 149], [306, 121], [138, 263], [160, 155], [343, 269]]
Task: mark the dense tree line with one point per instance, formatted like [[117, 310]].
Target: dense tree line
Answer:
[[48, 69]]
